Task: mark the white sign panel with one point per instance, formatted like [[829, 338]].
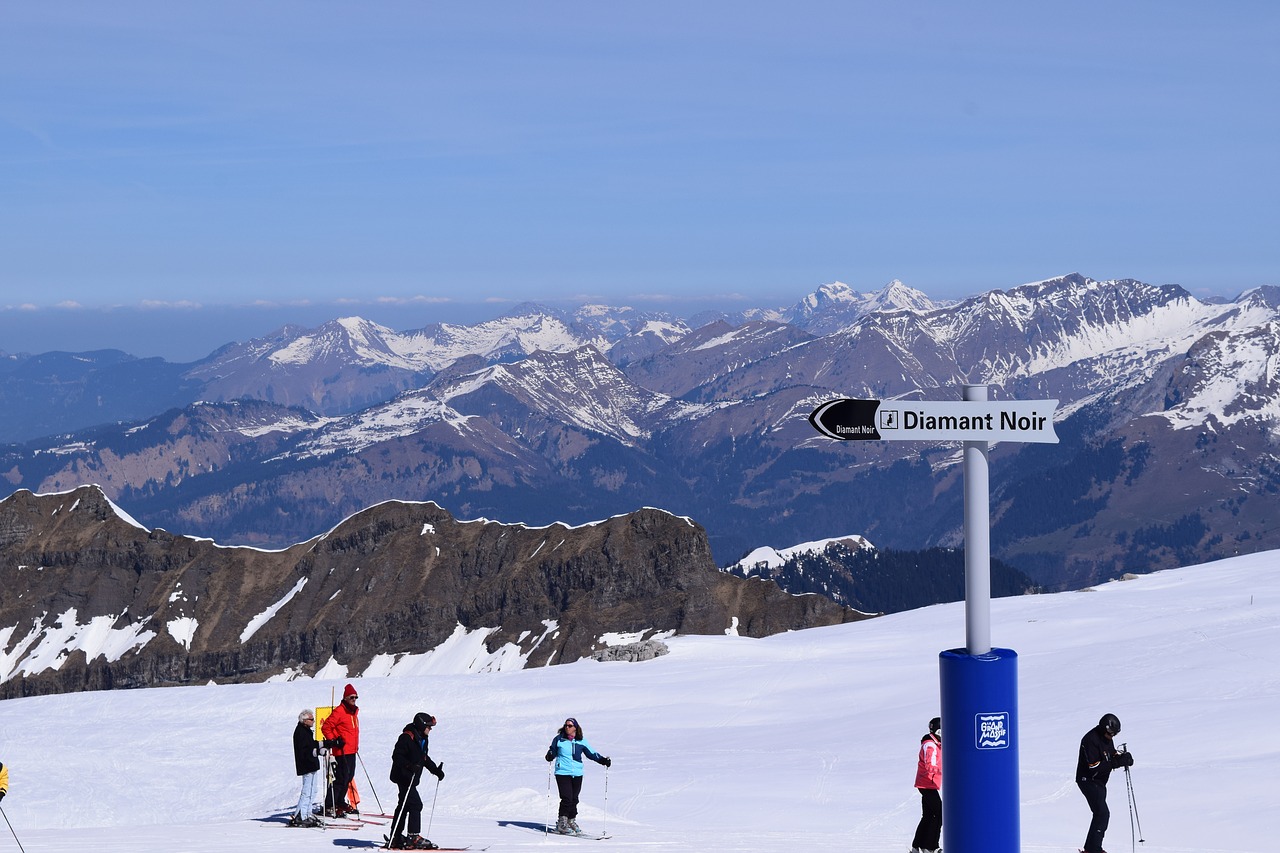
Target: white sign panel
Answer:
[[946, 420], [937, 420]]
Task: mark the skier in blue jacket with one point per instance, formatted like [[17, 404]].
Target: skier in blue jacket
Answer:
[[566, 750]]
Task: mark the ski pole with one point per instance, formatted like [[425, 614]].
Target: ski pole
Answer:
[[402, 811], [371, 788], [15, 835], [1132, 845], [1133, 809], [546, 830], [330, 804], [605, 830], [432, 816]]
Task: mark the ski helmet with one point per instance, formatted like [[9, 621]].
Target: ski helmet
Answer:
[[423, 720], [934, 725], [1110, 724]]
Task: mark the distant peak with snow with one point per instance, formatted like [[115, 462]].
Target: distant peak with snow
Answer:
[[765, 557], [836, 305]]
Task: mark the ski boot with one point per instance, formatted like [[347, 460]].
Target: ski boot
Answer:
[[296, 820], [417, 842], [562, 826], [574, 829]]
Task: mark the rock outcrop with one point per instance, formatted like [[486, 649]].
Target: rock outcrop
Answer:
[[92, 600]]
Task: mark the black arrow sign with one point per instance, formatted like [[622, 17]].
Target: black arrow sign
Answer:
[[847, 420]]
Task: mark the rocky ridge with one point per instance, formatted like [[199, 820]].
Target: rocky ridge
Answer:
[[94, 600]]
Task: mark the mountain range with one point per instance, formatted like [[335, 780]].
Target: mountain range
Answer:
[[1167, 416]]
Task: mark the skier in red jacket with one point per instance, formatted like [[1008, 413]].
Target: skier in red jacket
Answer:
[[342, 728]]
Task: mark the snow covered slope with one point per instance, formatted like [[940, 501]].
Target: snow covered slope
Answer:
[[800, 741]]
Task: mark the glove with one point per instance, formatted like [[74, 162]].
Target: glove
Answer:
[[334, 743], [2, 793], [607, 761], [439, 771], [551, 755], [1124, 759]]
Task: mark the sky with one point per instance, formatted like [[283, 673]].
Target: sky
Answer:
[[805, 740], [188, 174]]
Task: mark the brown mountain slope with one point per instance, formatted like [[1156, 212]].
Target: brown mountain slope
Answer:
[[133, 607]]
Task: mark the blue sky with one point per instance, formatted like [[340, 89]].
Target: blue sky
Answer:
[[218, 168]]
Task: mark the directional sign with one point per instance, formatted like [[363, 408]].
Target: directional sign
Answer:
[[937, 420]]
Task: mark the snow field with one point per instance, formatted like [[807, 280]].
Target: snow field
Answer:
[[802, 741]]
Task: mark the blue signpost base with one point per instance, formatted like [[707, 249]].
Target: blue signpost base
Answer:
[[980, 751]]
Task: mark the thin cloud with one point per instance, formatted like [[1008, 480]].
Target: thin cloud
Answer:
[[181, 304], [269, 303], [658, 297], [682, 297], [413, 300]]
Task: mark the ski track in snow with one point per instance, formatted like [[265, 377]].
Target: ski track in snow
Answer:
[[804, 741]]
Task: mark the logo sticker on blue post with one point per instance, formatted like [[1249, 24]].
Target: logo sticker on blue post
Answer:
[[992, 730]]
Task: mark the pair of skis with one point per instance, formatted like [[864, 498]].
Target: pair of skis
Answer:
[[321, 826], [585, 836], [386, 844]]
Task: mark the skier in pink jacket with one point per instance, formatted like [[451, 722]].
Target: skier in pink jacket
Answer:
[[928, 783]]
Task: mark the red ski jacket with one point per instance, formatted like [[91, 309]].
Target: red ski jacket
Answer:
[[929, 768], [343, 723]]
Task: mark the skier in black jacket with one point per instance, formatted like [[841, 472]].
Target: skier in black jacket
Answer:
[[1098, 756], [407, 760], [307, 762]]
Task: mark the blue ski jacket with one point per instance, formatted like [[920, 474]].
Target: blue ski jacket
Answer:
[[568, 755]]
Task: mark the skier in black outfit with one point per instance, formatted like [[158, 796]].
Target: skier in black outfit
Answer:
[[1098, 756], [306, 761], [407, 760]]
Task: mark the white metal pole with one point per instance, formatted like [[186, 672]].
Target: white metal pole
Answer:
[[977, 539]]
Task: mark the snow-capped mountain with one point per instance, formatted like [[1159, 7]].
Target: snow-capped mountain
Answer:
[[713, 351], [853, 572], [836, 306], [1168, 418], [579, 390], [765, 557], [351, 363]]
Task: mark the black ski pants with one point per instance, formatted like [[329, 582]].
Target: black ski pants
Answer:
[[344, 770], [1096, 796], [930, 826], [570, 788], [408, 810]]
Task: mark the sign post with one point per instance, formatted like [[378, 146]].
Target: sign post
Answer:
[[977, 538], [979, 684]]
